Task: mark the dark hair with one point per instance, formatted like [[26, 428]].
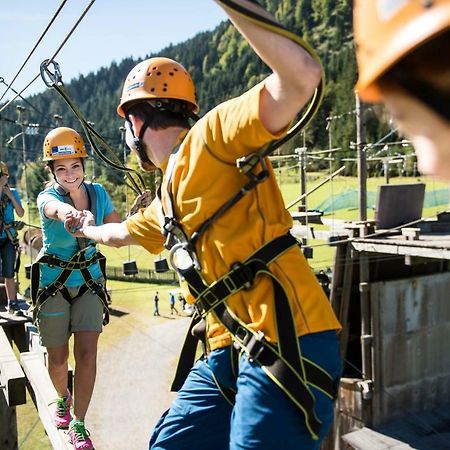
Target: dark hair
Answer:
[[173, 114]]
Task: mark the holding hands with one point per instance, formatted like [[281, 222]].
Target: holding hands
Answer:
[[75, 221]]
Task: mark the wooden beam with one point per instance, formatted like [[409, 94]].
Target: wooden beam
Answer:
[[44, 393], [367, 439], [12, 378]]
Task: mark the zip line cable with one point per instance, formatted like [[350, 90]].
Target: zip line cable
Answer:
[[55, 81], [2, 80], [34, 48], [54, 55]]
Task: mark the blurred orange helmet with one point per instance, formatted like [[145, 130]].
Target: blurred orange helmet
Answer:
[[158, 78], [63, 143], [387, 30], [4, 168]]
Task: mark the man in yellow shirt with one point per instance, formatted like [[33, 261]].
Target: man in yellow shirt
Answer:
[[404, 62], [247, 275]]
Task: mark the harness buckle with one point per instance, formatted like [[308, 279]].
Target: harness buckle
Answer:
[[58, 285], [252, 342], [243, 274]]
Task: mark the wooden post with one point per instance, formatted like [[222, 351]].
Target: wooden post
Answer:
[[8, 425]]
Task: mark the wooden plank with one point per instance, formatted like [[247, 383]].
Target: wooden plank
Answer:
[[44, 393], [405, 249], [367, 439], [12, 378]]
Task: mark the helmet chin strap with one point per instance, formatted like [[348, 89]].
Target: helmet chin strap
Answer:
[[137, 143]]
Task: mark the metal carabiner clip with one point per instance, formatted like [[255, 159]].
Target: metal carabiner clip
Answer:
[[54, 78], [181, 258]]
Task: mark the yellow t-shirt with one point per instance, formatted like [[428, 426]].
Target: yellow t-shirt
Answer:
[[204, 177]]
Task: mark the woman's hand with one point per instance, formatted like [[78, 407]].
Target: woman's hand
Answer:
[[76, 221]]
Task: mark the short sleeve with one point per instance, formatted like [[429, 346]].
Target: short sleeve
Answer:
[[144, 227]]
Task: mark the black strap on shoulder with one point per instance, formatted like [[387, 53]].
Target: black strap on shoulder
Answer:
[[282, 362]]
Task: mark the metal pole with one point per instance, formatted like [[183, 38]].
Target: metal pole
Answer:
[[124, 150], [92, 156], [362, 161]]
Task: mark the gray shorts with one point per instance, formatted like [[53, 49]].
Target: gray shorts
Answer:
[[58, 319]]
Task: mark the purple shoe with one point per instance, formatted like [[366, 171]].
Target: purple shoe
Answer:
[[62, 415], [79, 436]]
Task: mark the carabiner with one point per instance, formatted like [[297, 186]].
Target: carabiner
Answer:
[[55, 78]]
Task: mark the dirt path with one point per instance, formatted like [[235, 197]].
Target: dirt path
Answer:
[[134, 373]]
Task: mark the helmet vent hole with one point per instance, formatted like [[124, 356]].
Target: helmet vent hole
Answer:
[[171, 74], [158, 73], [175, 69], [164, 89], [152, 89]]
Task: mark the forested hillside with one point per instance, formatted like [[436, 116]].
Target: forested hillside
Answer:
[[222, 65]]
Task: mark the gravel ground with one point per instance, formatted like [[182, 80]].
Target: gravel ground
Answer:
[[133, 377]]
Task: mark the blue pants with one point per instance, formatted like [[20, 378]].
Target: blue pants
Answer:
[[262, 417]]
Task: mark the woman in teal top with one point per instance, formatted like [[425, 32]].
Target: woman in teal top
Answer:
[[71, 296]]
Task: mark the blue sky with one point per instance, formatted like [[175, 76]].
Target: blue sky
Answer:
[[111, 30]]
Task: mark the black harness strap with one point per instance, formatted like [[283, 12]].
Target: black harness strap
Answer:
[[283, 362]]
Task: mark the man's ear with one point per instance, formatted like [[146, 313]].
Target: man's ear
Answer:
[[136, 123]]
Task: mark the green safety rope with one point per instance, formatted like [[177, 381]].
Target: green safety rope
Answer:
[[54, 80]]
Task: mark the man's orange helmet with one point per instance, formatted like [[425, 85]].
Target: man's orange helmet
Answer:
[[388, 30], [158, 78], [63, 143]]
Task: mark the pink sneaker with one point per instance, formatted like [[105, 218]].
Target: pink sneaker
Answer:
[[79, 436], [62, 415]]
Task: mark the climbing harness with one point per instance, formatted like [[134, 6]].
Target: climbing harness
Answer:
[[281, 361], [77, 262]]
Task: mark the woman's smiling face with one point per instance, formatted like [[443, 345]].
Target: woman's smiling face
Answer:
[[69, 173]]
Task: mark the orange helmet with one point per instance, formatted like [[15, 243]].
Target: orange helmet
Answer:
[[63, 143], [3, 169], [387, 30], [158, 78]]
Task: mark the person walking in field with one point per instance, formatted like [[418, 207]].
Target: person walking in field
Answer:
[[156, 304], [272, 362], [172, 304], [68, 280]]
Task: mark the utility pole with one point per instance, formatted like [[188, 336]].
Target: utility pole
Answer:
[[362, 160], [386, 169], [92, 124], [21, 121], [58, 119]]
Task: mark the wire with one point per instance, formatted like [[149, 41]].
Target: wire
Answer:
[[54, 55], [34, 48]]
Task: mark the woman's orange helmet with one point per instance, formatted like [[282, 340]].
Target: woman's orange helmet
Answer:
[[387, 30], [158, 78], [63, 143]]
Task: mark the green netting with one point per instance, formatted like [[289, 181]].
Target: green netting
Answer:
[[349, 199]]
